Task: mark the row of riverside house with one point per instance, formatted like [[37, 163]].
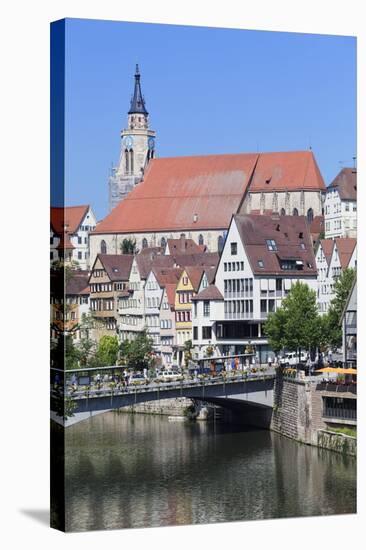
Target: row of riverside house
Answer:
[[181, 291], [151, 291]]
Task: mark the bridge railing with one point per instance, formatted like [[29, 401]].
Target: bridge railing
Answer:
[[76, 392]]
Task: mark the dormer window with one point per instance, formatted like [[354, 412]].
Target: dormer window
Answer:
[[260, 264], [234, 249], [271, 244], [302, 246]]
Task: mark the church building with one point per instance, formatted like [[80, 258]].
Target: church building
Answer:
[[137, 148], [156, 199]]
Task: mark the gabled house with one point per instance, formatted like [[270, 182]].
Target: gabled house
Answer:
[[66, 313], [262, 258], [109, 280], [69, 234], [188, 285], [340, 205], [322, 258], [349, 328]]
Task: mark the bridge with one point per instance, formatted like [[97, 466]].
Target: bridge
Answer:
[[252, 390]]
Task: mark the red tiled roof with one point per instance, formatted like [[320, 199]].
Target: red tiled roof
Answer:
[[327, 246], [146, 263], [210, 274], [317, 225], [151, 251], [85, 291], [184, 246], [77, 282], [286, 172], [194, 274], [183, 193], [209, 293], [170, 292], [117, 266], [345, 247], [167, 276], [288, 232], [204, 259], [69, 216], [202, 192], [346, 184], [65, 242]]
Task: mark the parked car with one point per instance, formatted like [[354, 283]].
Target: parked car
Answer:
[[169, 376], [137, 379], [291, 359]]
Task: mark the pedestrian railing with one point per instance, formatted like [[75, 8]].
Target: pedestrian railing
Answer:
[[90, 392]]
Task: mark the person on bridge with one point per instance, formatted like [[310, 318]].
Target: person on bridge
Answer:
[[270, 361]]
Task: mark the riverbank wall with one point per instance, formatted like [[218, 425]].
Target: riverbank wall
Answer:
[[167, 407], [298, 414]]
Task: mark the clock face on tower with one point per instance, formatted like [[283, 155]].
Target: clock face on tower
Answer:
[[128, 142], [151, 143]]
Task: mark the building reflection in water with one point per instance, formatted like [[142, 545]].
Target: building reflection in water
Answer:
[[139, 471]]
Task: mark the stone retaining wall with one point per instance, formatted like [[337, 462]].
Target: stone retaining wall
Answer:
[[340, 443], [170, 407], [297, 413]]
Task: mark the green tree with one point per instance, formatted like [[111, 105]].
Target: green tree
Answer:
[[138, 353], [187, 348], [107, 351], [86, 346], [72, 354], [128, 246], [332, 320], [275, 330], [296, 325]]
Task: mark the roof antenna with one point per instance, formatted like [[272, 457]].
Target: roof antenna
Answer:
[[354, 162]]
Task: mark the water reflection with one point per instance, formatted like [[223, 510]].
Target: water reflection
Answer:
[[140, 471]]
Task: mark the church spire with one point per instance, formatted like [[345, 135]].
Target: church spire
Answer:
[[137, 101]]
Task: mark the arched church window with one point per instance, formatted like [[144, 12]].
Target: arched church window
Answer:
[[310, 215], [220, 243], [103, 247], [163, 242], [127, 161], [131, 161], [295, 212], [144, 243], [283, 212], [200, 239], [182, 235]]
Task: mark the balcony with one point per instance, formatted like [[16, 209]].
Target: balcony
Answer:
[[339, 414], [238, 295], [239, 316]]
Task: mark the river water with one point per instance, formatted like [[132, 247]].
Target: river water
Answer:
[[125, 470]]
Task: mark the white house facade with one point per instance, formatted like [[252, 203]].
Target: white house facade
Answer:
[[259, 264], [340, 206]]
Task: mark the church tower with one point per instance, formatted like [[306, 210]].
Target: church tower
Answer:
[[137, 148]]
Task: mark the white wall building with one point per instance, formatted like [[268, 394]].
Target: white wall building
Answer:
[[340, 206], [262, 258], [69, 234], [332, 257]]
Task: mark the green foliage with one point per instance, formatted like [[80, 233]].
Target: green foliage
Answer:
[[72, 355], [138, 353], [107, 351], [128, 246], [188, 346], [332, 320], [297, 323]]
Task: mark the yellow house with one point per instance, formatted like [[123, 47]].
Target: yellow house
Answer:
[[187, 287]]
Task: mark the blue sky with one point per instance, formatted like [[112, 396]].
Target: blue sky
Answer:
[[207, 91]]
